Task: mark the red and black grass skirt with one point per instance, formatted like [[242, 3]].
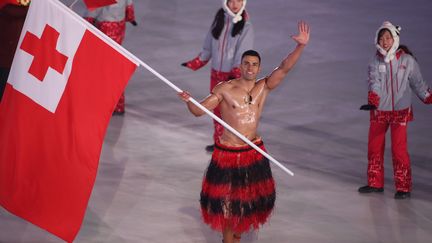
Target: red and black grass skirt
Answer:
[[238, 189]]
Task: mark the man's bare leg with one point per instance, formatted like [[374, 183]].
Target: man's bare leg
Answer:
[[237, 237], [228, 235]]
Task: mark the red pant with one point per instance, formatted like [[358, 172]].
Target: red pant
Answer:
[[401, 160], [215, 78]]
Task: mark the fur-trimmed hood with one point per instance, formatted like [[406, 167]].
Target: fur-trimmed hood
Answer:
[[395, 32]]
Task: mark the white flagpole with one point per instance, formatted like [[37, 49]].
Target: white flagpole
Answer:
[[217, 118]]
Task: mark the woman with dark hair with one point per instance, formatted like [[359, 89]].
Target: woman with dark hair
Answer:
[[393, 75], [230, 35]]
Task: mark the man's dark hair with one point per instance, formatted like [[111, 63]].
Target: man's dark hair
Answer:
[[251, 53]]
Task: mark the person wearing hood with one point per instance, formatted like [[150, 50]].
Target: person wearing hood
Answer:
[[230, 35], [111, 20], [394, 75]]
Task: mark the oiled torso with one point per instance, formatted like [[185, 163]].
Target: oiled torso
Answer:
[[241, 108]]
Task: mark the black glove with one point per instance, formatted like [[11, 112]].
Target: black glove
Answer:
[[368, 107], [134, 23]]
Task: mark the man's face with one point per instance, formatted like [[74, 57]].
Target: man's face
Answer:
[[250, 67]]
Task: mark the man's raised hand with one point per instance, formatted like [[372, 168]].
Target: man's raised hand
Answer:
[[304, 32]]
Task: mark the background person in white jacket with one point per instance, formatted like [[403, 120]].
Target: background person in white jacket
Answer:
[[393, 75]]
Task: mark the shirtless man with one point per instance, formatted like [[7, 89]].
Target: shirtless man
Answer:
[[238, 191]]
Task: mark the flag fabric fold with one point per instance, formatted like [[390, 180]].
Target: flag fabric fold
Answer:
[[65, 81]]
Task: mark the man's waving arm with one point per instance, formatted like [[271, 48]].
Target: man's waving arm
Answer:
[[280, 72]]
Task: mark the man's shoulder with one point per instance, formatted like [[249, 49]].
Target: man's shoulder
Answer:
[[221, 86], [262, 81]]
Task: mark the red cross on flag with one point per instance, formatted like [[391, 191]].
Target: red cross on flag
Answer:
[[65, 81]]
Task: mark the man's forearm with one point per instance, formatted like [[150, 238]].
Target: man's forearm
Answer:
[[194, 109], [292, 58]]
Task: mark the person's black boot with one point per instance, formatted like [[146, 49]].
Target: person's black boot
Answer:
[[369, 189], [402, 195], [209, 148]]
